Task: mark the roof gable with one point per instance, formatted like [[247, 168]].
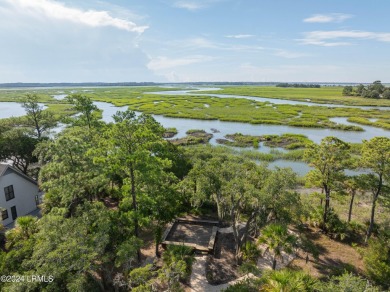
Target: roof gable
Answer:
[[7, 169]]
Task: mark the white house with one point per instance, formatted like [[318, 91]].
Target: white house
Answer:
[[19, 194]]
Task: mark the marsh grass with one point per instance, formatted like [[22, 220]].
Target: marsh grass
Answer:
[[325, 94], [230, 109], [242, 110]]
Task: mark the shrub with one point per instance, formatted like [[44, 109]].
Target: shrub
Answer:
[[377, 261], [335, 227], [250, 252], [287, 280], [346, 282], [178, 259], [140, 276]]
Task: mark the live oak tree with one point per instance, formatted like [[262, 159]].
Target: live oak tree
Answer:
[[281, 202], [19, 136], [376, 157], [204, 183], [329, 160], [240, 198], [241, 189], [18, 146]]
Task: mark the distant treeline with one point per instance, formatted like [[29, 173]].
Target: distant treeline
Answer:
[[298, 85], [223, 83], [71, 84], [374, 90]]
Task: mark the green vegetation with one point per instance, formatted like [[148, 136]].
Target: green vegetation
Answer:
[[286, 141], [242, 110], [376, 157], [329, 160], [331, 94], [377, 261], [375, 90], [298, 85], [240, 140], [111, 189], [277, 238], [170, 132], [193, 137], [290, 280], [231, 109]]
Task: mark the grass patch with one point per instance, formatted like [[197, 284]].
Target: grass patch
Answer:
[[193, 137], [240, 140], [286, 141], [170, 132]]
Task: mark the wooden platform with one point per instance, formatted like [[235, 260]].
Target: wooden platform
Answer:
[[197, 234]]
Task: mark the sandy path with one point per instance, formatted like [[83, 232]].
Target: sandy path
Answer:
[[198, 281]]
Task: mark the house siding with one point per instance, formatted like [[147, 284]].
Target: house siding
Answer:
[[25, 192]]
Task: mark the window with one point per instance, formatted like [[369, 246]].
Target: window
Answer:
[[4, 214], [9, 193]]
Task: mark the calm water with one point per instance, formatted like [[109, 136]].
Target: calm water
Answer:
[[8, 109], [12, 109], [224, 128], [301, 168], [59, 96]]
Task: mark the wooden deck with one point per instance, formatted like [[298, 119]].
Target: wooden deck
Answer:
[[200, 235]]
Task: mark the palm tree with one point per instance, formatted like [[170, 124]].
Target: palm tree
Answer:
[[287, 281], [24, 227], [277, 239]]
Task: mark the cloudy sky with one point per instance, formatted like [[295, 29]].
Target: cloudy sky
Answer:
[[194, 40]]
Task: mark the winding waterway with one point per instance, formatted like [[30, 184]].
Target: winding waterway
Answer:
[[8, 109], [224, 128]]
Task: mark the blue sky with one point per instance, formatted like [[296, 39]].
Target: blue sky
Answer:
[[194, 40]]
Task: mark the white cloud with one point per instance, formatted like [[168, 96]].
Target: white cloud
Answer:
[[240, 36], [189, 5], [162, 63], [288, 54], [194, 5], [325, 18], [331, 38], [204, 43], [56, 10]]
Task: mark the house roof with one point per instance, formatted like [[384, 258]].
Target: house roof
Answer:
[[5, 169]]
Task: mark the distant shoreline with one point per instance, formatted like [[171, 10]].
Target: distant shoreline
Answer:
[[119, 84]]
